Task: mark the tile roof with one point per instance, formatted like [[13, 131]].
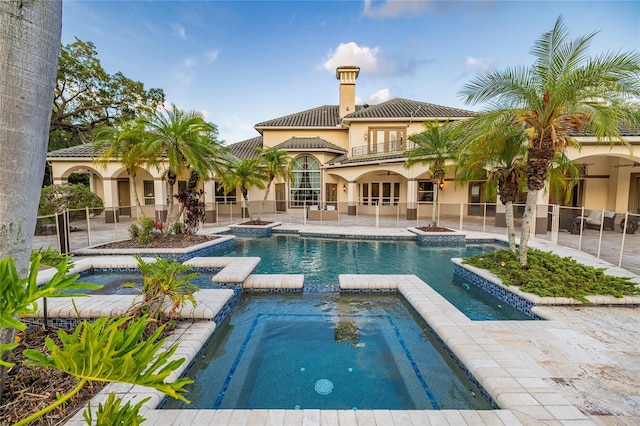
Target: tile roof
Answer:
[[406, 108], [245, 148], [323, 116], [313, 143], [343, 159], [79, 151], [329, 115]]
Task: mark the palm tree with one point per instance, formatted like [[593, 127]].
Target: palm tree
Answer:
[[277, 165], [564, 92], [433, 147], [124, 141], [498, 157], [184, 141], [246, 174], [29, 50]]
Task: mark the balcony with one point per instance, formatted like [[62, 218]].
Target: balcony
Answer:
[[382, 148]]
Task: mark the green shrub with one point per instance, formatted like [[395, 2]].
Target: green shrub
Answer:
[[58, 198], [143, 231], [549, 275]]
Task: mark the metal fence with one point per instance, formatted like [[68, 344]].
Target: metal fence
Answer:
[[596, 232]]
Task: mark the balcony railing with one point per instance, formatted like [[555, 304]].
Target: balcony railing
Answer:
[[381, 148]]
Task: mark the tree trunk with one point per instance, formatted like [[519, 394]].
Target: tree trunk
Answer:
[[532, 198], [264, 200], [29, 50], [434, 207], [511, 227], [136, 197], [169, 220], [245, 196]]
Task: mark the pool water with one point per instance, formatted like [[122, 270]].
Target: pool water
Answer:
[[326, 351], [321, 260]]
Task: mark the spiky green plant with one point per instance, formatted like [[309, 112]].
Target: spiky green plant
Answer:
[[112, 413]]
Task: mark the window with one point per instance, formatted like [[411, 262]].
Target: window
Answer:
[[386, 140], [396, 193], [425, 191], [221, 197], [383, 193], [305, 188], [149, 193]]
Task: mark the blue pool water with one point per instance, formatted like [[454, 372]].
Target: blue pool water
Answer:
[[321, 260], [326, 351]]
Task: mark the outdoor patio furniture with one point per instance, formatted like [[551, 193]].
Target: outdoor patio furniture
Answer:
[[593, 221], [630, 227], [315, 214]]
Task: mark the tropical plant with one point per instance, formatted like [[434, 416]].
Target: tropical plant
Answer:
[[50, 257], [29, 46], [65, 196], [18, 296], [184, 141], [113, 413], [246, 174], [499, 158], [164, 281], [564, 92], [110, 350], [124, 142], [433, 147], [277, 165]]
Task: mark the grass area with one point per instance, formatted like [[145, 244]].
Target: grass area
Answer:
[[549, 275]]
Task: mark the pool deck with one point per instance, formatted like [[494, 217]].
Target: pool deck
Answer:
[[581, 365]]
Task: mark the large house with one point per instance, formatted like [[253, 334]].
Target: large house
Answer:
[[351, 158]]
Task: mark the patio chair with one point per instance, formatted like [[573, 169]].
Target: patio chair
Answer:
[[593, 221]]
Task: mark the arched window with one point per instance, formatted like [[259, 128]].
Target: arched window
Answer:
[[305, 188]]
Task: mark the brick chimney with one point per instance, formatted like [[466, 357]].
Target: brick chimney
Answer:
[[347, 76]]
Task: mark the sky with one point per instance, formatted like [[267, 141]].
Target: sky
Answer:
[[244, 62]]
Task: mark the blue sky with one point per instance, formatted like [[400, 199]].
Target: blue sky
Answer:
[[243, 62]]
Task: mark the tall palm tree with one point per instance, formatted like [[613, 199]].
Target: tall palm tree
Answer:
[[246, 174], [184, 141], [498, 157], [124, 141], [29, 50], [277, 165], [433, 147], [564, 92]]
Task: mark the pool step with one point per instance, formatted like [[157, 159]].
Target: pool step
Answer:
[[264, 281], [234, 269], [370, 282]]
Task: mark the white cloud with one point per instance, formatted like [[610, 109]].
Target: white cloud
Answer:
[[179, 31], [478, 63], [352, 54], [212, 56], [189, 63], [394, 8], [378, 97]]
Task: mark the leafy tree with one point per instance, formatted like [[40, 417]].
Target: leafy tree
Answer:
[[29, 49], [86, 96], [184, 141], [498, 157], [433, 147], [57, 198], [564, 92], [277, 165], [246, 174], [124, 142]]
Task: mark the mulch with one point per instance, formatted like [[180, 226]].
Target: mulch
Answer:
[[434, 229], [29, 389], [166, 241]]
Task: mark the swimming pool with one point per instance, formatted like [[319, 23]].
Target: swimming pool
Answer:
[[326, 351], [321, 260]]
